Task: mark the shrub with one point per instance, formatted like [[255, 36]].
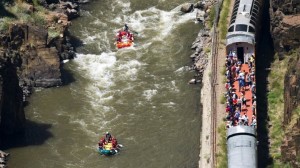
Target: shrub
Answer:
[[4, 24]]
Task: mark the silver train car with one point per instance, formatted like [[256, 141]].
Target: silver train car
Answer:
[[241, 147], [241, 33]]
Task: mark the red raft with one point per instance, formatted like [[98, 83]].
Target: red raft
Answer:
[[124, 39]]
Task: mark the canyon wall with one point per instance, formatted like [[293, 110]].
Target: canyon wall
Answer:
[[285, 30], [31, 55]]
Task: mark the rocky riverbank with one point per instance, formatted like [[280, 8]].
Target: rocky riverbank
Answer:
[[3, 159], [34, 41], [202, 44], [201, 64]]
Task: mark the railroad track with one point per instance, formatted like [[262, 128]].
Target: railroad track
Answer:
[[214, 78], [214, 97]]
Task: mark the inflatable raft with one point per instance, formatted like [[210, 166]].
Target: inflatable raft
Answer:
[[124, 39], [108, 150]]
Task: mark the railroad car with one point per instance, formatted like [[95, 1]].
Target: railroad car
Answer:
[[241, 147], [243, 28]]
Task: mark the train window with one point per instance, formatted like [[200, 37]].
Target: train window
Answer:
[[231, 29], [235, 10], [253, 18], [256, 7], [233, 17], [236, 6], [252, 22], [254, 10], [237, 2], [256, 3], [234, 14], [251, 29], [241, 27], [254, 14], [232, 21]]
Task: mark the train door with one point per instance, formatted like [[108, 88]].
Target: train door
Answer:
[[240, 54]]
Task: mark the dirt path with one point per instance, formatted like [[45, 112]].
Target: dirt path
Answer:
[[205, 140], [211, 120]]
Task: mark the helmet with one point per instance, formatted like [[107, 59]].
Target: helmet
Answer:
[[107, 133]]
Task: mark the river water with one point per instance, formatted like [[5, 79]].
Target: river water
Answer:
[[139, 94]]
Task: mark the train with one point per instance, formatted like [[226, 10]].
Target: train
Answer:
[[242, 34]]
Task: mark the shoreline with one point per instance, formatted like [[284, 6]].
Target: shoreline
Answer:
[[205, 138]]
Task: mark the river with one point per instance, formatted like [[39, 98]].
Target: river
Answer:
[[139, 94]]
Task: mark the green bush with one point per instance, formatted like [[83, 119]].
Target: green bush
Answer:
[[38, 19], [222, 154], [4, 24], [52, 33], [223, 18], [212, 16]]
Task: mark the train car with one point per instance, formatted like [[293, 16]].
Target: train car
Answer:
[[241, 33], [241, 147]]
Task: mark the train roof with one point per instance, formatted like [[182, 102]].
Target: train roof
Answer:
[[247, 130], [243, 22], [241, 147]]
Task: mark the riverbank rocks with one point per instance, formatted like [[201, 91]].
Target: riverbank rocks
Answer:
[[202, 44], [186, 7], [200, 57], [3, 159]]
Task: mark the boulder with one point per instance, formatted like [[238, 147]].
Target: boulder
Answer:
[[187, 7], [200, 5], [72, 13]]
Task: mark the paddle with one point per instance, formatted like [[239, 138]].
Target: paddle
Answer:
[[120, 146], [134, 32]]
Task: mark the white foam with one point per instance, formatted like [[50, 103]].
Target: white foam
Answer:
[[148, 94]]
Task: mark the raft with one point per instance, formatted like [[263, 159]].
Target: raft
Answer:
[[125, 39], [107, 149], [124, 44]]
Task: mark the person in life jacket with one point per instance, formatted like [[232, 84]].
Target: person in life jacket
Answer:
[[101, 143], [114, 142], [108, 137], [126, 27]]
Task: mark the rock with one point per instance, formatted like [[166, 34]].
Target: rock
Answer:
[[187, 7], [52, 1], [200, 16], [52, 6], [82, 1], [3, 166], [192, 81], [200, 5], [72, 13]]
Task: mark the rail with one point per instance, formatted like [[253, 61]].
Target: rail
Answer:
[[214, 56]]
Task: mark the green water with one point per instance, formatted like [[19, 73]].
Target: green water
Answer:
[[138, 94]]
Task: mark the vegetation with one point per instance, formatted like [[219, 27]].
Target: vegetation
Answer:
[[207, 50], [276, 108], [223, 18], [212, 16], [24, 15], [222, 154], [52, 33], [4, 24]]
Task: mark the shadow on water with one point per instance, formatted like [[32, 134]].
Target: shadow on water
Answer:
[[75, 41], [265, 55], [3, 11], [34, 134], [67, 77]]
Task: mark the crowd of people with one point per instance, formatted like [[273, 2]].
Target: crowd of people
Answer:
[[108, 139], [240, 81], [125, 33]]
